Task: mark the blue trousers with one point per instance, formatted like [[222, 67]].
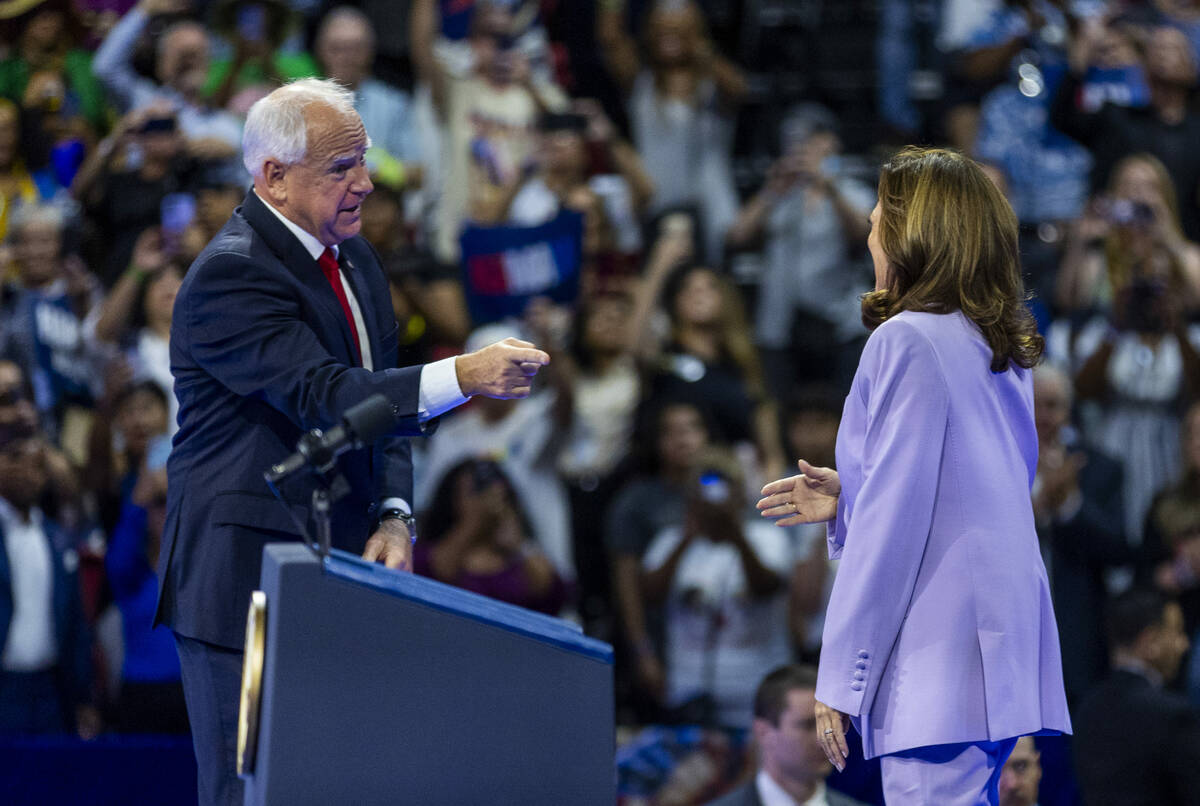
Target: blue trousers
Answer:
[[212, 681], [945, 774]]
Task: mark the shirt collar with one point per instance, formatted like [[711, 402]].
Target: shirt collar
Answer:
[[1140, 668], [12, 519], [309, 241], [772, 794]]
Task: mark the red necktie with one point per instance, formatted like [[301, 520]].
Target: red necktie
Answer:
[[329, 265]]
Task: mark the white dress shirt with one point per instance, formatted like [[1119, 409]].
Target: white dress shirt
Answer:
[[772, 794], [439, 390], [31, 645]]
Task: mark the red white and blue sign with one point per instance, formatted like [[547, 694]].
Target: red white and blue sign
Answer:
[[504, 267]]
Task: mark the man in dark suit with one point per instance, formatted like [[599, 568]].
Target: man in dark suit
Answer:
[[792, 767], [45, 651], [1077, 505], [283, 323], [1136, 743]]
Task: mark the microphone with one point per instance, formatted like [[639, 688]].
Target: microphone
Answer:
[[361, 425]]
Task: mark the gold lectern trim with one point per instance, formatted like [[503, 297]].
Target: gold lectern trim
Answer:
[[252, 670]]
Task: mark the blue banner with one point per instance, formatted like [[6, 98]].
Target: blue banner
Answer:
[[504, 267]]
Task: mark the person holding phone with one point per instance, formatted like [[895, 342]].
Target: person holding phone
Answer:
[[940, 644], [476, 536], [812, 221], [722, 580]]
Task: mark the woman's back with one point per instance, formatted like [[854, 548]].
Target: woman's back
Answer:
[[941, 581]]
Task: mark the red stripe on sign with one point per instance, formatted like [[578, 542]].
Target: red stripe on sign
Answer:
[[486, 274]]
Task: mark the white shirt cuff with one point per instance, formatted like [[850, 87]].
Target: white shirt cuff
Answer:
[[439, 390], [396, 503]]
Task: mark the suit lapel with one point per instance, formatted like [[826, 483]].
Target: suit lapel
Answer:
[[296, 259]]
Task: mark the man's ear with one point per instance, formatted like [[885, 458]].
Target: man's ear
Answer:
[[272, 182], [762, 729]]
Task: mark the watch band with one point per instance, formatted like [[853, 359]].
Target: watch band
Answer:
[[395, 513]]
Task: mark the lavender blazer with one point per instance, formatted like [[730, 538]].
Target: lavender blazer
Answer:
[[939, 628]]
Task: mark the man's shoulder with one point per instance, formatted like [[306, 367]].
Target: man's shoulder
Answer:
[[235, 243], [1125, 690], [836, 798], [744, 795]]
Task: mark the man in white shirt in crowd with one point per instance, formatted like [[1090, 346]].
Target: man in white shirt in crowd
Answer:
[[45, 656], [792, 768]]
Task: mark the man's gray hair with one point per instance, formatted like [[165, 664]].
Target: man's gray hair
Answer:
[[275, 126], [27, 213]]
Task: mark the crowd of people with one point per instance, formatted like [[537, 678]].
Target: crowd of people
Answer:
[[703, 323]]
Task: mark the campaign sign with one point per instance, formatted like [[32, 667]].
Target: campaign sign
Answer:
[[504, 267]]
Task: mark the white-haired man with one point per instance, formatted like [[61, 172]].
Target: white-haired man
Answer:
[[283, 322]]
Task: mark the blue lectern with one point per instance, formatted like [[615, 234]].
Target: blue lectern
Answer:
[[369, 686]]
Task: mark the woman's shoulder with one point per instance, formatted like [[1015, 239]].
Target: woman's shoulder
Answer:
[[912, 342], [910, 328], [937, 330]]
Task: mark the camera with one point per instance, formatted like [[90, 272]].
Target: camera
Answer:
[[1143, 305], [1126, 212]]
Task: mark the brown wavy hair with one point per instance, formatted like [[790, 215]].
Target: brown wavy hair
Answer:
[[950, 238]]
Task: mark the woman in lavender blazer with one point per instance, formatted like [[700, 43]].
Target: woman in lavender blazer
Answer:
[[940, 643]]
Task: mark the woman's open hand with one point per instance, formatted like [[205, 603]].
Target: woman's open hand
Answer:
[[810, 497]]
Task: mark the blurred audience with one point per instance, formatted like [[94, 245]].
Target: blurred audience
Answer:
[[1078, 508], [45, 665], [181, 70], [256, 32], [1133, 229], [674, 437], [427, 294], [813, 220], [1023, 45], [487, 109], [1135, 363], [43, 324], [136, 315], [150, 697], [722, 578], [475, 535], [681, 97], [345, 47], [704, 352], [48, 70], [1171, 550], [597, 373], [140, 177], [1161, 766], [1167, 127], [810, 426], [523, 437]]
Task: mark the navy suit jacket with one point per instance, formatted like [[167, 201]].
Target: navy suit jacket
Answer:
[[261, 352], [1081, 549], [73, 672], [1159, 766]]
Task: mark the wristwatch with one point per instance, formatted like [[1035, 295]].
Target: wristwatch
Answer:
[[395, 513]]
